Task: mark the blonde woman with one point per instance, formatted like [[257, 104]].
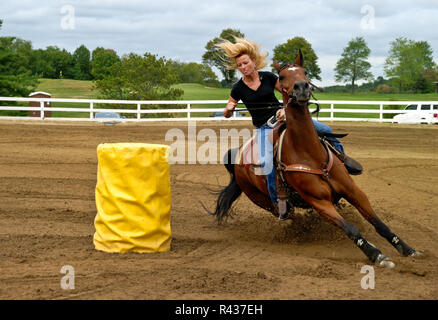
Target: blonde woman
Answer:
[[256, 89]]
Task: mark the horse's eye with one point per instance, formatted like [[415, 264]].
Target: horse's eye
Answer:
[[281, 78]]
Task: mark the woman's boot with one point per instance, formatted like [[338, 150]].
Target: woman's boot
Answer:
[[353, 166]]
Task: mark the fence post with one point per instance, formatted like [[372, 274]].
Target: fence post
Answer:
[[91, 110], [42, 110], [332, 111], [138, 111], [188, 110], [381, 113]]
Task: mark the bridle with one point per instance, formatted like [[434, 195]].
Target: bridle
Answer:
[[292, 98], [292, 65]]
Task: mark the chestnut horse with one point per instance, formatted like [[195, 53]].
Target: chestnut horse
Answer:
[[308, 169]]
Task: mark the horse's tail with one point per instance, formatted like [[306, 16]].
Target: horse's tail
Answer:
[[230, 193]]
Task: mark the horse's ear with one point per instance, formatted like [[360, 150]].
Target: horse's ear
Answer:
[[277, 66], [299, 60]]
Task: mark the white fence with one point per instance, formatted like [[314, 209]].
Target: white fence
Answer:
[[141, 107]]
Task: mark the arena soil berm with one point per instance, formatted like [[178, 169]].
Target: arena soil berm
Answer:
[[47, 182]]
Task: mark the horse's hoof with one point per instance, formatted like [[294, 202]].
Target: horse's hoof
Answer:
[[283, 217], [387, 264], [416, 254], [385, 261]]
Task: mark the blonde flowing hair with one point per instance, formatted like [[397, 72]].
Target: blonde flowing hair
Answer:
[[241, 47]]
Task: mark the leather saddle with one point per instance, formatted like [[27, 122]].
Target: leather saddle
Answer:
[[248, 154]]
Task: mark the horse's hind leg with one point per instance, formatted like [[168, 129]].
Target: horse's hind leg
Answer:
[[326, 210], [258, 197], [358, 199]]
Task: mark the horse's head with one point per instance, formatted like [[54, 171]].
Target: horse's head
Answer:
[[293, 81]]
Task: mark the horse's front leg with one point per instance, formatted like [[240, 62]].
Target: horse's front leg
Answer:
[[326, 209], [359, 199]]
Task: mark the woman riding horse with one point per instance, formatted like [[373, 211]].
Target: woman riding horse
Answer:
[[309, 169], [256, 90]]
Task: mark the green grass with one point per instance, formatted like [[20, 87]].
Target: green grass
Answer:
[[68, 89], [77, 89], [376, 96], [371, 97], [194, 91]]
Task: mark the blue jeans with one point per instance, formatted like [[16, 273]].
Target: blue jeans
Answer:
[[266, 154], [323, 128]]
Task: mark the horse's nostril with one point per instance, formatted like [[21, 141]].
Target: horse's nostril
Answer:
[[301, 85]]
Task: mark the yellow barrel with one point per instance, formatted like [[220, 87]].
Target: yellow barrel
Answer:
[[132, 198]]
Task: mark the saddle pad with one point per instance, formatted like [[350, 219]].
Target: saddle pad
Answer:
[[248, 154]]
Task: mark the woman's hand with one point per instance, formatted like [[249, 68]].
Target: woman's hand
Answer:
[[228, 111], [280, 115]]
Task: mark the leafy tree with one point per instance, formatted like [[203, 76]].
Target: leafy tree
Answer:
[[209, 77], [366, 87], [288, 51], [41, 67], [193, 72], [138, 77], [81, 62], [431, 74], [383, 88], [15, 61], [407, 62], [52, 63], [15, 77], [215, 57], [56, 63], [101, 61], [353, 65], [15, 74], [422, 85], [22, 50]]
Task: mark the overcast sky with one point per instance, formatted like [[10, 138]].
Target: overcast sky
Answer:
[[180, 29]]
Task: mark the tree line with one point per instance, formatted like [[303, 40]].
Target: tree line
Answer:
[[130, 76], [409, 67]]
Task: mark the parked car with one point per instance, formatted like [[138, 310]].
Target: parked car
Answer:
[[109, 117], [221, 114], [418, 113]]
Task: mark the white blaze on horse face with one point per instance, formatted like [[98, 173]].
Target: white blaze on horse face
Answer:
[[293, 68]]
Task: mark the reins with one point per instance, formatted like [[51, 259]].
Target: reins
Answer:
[[273, 105]]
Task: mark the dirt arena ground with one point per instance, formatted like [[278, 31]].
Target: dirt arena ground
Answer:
[[47, 210]]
